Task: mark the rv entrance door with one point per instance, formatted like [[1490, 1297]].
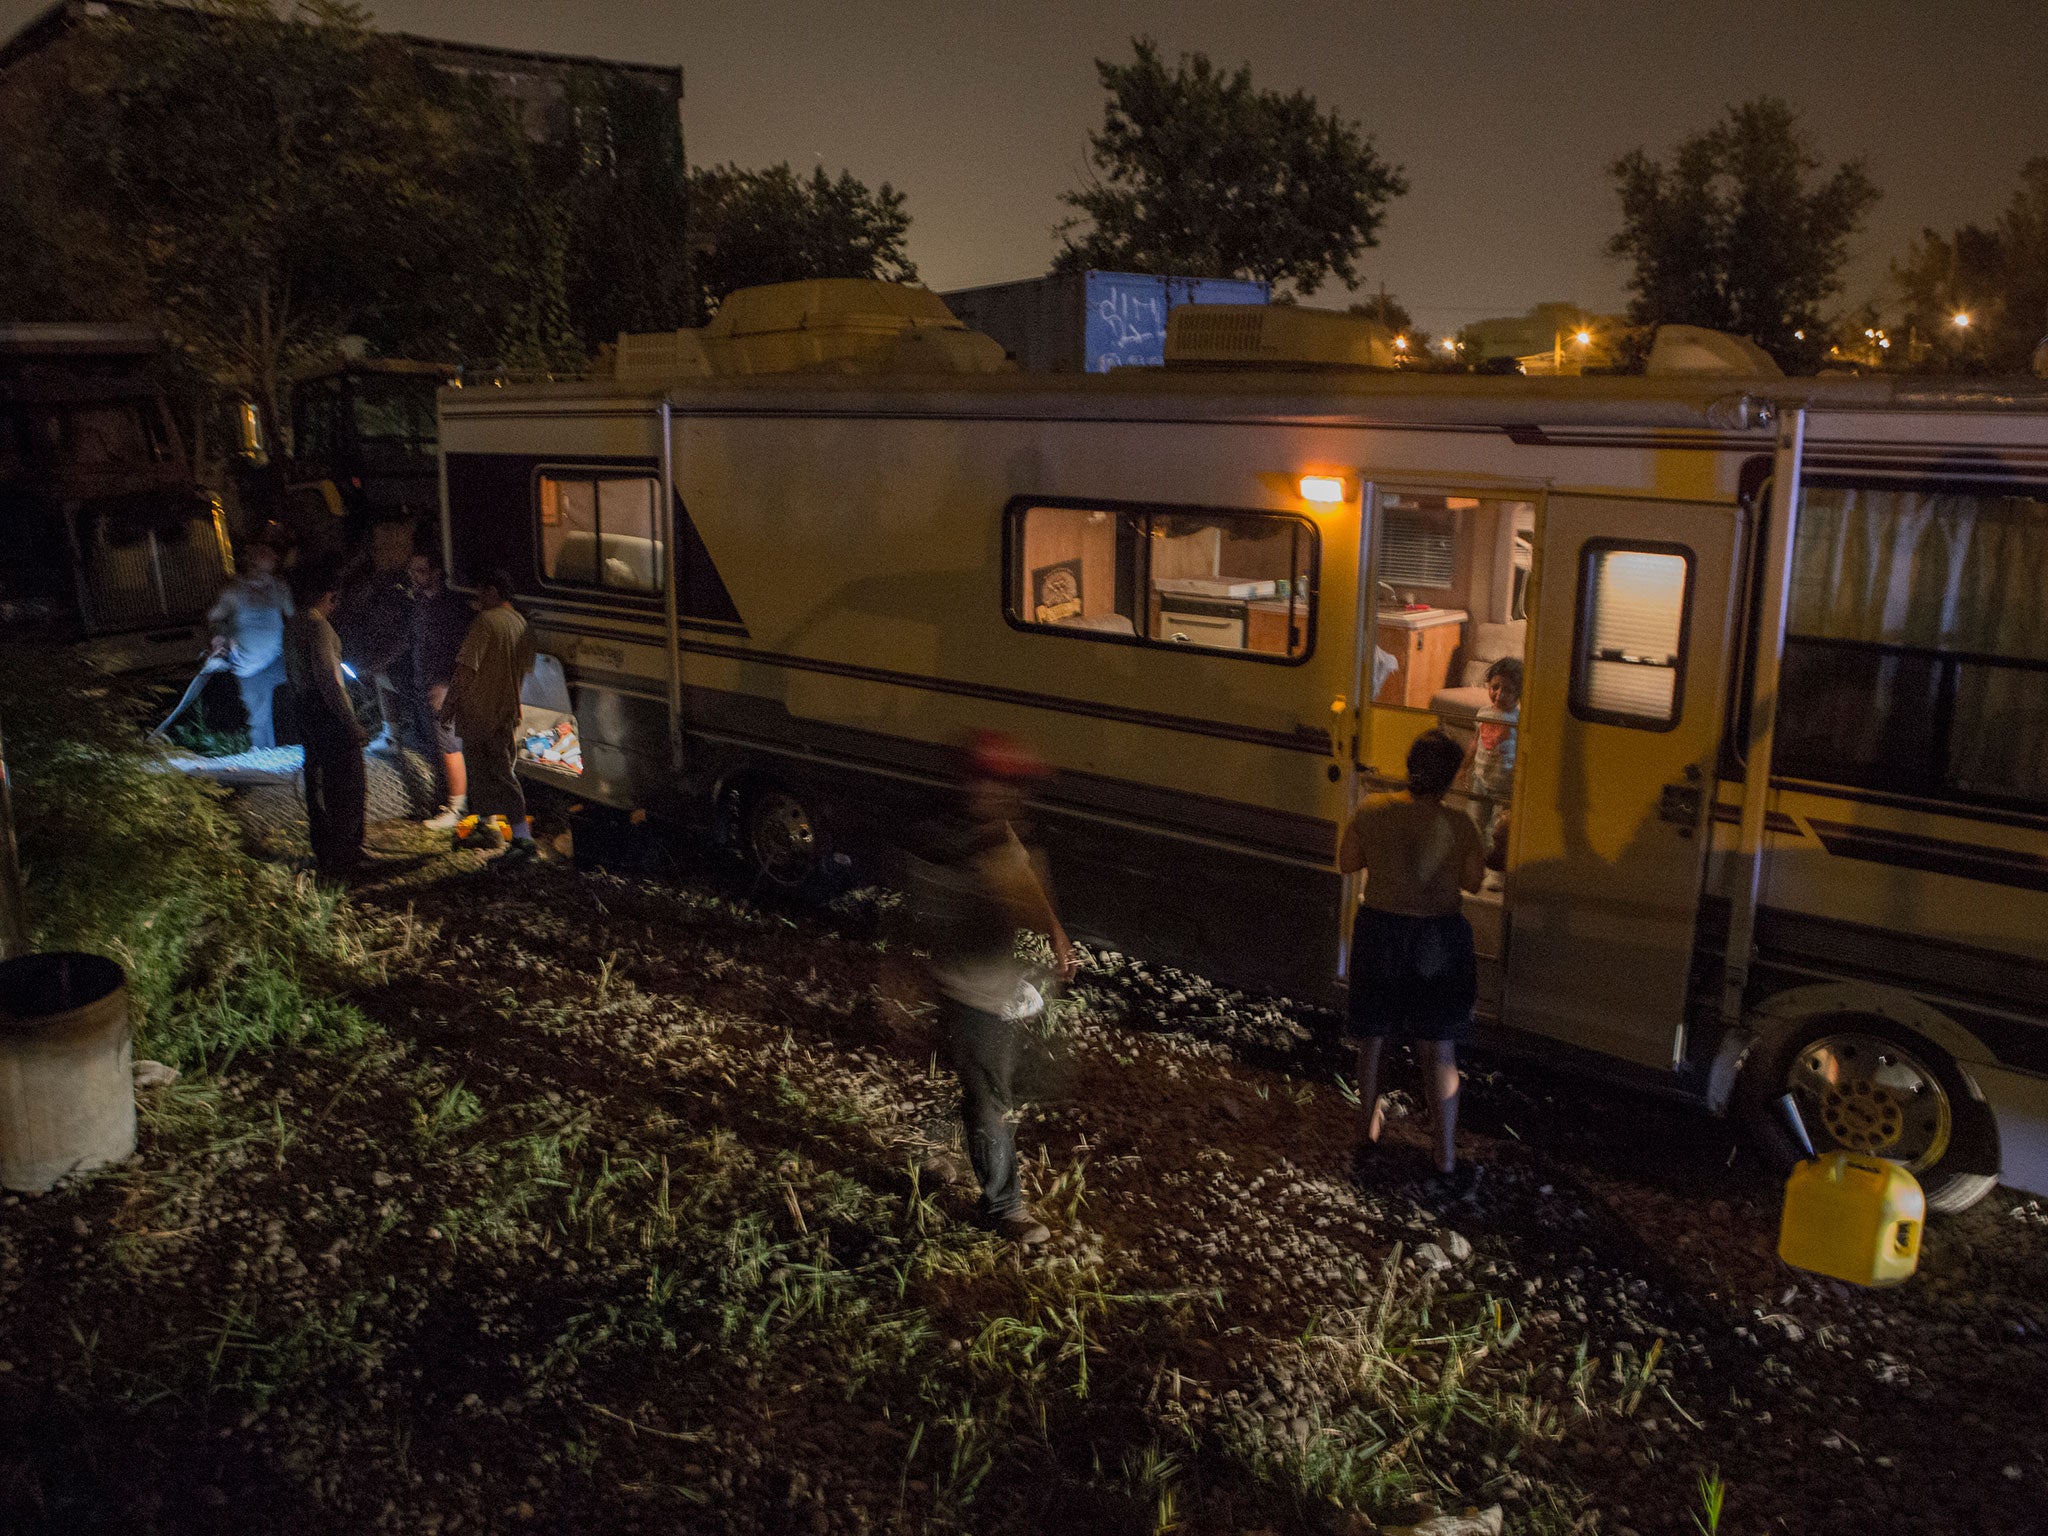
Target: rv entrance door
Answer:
[[1621, 720]]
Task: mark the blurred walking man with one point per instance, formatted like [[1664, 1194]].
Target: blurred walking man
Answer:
[[482, 704], [974, 889]]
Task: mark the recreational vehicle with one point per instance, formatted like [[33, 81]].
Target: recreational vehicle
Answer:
[[1780, 811]]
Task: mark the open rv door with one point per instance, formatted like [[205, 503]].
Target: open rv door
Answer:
[[1621, 723]]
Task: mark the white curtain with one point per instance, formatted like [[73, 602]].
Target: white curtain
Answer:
[[1945, 573]]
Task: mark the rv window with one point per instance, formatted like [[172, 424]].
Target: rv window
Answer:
[[600, 531], [1630, 661], [1916, 645], [1229, 581]]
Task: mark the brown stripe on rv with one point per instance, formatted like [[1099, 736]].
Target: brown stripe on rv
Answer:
[[1934, 855], [1301, 739]]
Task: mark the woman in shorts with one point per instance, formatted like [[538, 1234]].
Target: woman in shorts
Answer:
[[1413, 975]]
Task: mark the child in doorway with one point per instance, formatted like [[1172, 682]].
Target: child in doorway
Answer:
[[1492, 782]]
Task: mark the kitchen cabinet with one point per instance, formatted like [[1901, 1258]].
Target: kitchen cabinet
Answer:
[[1422, 644]]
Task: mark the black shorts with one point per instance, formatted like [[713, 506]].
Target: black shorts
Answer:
[[1412, 978]]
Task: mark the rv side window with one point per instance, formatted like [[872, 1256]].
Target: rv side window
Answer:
[[1916, 645], [1224, 581], [600, 531], [1630, 663]]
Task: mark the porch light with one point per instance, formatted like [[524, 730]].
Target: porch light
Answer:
[[1326, 490]]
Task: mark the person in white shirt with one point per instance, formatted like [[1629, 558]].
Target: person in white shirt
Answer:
[[248, 631]]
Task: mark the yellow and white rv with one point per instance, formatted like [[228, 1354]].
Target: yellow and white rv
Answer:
[[1780, 810]]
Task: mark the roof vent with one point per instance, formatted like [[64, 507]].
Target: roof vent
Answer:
[[1275, 335], [1693, 349]]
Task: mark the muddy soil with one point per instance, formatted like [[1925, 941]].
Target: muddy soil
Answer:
[[337, 1310]]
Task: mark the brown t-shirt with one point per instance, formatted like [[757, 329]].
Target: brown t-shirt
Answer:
[[1414, 853], [499, 652]]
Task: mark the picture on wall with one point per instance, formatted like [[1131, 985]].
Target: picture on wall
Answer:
[[1056, 591]]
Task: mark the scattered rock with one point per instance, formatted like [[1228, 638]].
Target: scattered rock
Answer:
[[1474, 1522]]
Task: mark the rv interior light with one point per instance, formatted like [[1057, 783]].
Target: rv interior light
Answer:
[[1326, 489]]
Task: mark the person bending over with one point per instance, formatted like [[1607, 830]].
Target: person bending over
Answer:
[[1413, 974]]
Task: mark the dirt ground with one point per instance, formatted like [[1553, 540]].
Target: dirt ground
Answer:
[[618, 1220]]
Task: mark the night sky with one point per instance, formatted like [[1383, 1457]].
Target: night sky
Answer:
[[1504, 115]]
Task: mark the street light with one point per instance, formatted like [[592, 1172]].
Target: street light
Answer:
[[1960, 320]]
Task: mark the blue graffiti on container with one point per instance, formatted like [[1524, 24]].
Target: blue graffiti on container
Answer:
[[1127, 313]]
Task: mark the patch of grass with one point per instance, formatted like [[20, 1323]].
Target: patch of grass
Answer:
[[224, 954]]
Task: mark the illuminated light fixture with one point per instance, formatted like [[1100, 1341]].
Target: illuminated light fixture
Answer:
[[1584, 338], [1799, 335], [1450, 345], [1960, 319], [1327, 490], [1400, 343], [1884, 341]]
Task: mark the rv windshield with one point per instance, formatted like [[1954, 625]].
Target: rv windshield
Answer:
[[1916, 648], [396, 412]]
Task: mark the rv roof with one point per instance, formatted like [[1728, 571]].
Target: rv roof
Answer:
[[1705, 402]]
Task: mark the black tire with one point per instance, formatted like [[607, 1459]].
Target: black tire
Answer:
[[783, 842], [1867, 1085]]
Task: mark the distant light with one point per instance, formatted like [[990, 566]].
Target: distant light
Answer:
[[1583, 338], [1450, 345], [1871, 334], [1884, 341], [1326, 489], [1960, 320], [348, 671], [1400, 343], [1799, 335]]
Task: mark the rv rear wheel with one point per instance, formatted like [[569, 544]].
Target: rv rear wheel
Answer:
[[784, 843], [1865, 1085]]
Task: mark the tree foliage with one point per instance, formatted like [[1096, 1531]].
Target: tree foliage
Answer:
[[1197, 174], [773, 226], [1998, 277], [616, 150], [258, 184], [1735, 232]]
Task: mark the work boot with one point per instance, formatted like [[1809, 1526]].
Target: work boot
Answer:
[[524, 851], [1021, 1228]]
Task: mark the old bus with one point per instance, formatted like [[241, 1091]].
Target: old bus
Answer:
[[1780, 815]]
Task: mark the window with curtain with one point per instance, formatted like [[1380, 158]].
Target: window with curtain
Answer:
[[1916, 645], [1631, 650]]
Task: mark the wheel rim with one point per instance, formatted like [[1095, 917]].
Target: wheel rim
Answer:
[[782, 837], [1870, 1095]]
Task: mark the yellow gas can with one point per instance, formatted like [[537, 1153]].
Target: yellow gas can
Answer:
[[1853, 1218]]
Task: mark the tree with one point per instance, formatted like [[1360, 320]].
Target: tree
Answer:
[[1735, 235], [258, 185], [1997, 278], [774, 226], [1196, 174]]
